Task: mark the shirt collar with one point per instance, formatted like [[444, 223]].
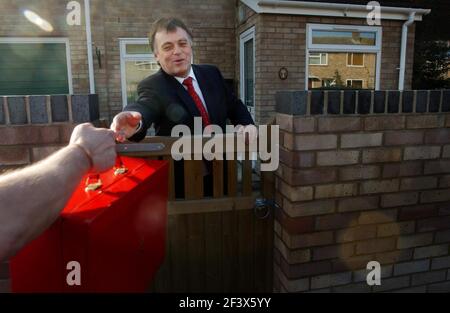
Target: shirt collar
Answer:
[[191, 74]]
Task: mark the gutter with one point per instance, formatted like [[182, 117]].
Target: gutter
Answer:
[[341, 6], [329, 9], [401, 78], [87, 13]]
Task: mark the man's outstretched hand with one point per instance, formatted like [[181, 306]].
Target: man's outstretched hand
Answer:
[[125, 125]]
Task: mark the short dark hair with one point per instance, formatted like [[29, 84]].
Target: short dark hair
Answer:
[[168, 24]]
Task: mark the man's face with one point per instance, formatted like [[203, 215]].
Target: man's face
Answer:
[[173, 51]]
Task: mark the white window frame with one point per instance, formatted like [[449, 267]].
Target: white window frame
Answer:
[[344, 48], [124, 57], [356, 79], [351, 65], [320, 58], [245, 36], [47, 40]]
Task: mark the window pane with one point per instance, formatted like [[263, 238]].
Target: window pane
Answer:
[[138, 49], [248, 73], [314, 60], [317, 58], [329, 37], [357, 84], [358, 59], [314, 82], [135, 71], [33, 69], [335, 74]]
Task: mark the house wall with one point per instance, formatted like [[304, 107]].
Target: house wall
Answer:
[[355, 188], [281, 42]]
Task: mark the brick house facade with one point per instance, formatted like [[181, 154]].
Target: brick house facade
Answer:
[[280, 41]]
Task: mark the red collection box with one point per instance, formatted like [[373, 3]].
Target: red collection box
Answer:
[[110, 239]]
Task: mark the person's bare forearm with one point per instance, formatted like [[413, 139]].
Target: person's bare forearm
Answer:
[[32, 198]]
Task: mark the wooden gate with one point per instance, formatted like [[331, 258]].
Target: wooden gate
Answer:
[[219, 243]]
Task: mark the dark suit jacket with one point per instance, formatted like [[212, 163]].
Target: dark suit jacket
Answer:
[[162, 100]]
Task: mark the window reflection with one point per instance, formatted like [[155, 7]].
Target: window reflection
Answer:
[[330, 37], [248, 73], [137, 49], [135, 71], [318, 58], [355, 59], [355, 83], [341, 70]]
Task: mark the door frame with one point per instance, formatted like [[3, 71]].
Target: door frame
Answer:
[[124, 57], [245, 36]]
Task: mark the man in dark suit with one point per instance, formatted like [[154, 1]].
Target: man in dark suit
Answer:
[[165, 98], [180, 91]]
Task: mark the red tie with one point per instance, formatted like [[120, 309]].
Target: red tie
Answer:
[[190, 88]]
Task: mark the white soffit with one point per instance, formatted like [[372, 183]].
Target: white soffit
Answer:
[[330, 9]]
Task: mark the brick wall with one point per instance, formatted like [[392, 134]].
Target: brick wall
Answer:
[[32, 128], [359, 187]]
